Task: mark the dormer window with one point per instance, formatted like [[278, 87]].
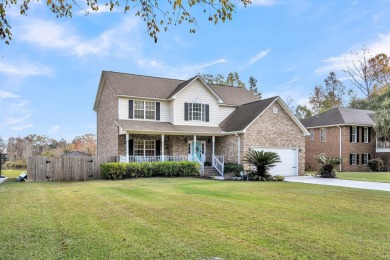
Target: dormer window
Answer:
[[196, 112]]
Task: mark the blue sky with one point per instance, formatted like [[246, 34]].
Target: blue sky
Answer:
[[51, 70]]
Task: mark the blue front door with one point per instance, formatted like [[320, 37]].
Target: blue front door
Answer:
[[197, 149]]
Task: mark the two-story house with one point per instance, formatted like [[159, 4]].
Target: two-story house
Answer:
[[142, 118], [346, 133]]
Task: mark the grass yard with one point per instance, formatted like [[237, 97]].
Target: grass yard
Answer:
[[365, 176], [12, 173], [189, 218]]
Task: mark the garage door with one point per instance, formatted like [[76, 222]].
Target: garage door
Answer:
[[289, 161]]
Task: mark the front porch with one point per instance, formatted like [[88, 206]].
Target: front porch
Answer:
[[205, 150]]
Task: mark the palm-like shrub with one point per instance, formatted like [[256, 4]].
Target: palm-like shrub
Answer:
[[327, 166], [263, 161]]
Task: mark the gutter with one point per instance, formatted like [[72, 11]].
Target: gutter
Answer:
[[340, 147]]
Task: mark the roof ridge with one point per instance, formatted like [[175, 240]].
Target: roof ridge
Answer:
[[274, 97], [146, 76]]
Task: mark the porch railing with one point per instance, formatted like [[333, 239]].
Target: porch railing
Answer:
[[167, 158], [218, 164], [196, 159]]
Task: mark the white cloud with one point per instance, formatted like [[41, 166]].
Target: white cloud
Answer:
[[46, 34], [178, 72], [257, 57], [263, 2], [54, 129], [9, 121], [22, 127], [289, 82], [24, 69], [381, 45], [6, 94]]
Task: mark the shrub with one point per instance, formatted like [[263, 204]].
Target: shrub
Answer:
[[147, 169], [233, 168], [19, 164], [375, 164], [113, 171], [262, 160], [327, 166], [278, 178]]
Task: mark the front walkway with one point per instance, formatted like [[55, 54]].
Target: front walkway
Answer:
[[3, 179], [342, 183]]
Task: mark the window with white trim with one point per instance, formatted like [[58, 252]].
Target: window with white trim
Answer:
[[144, 147], [365, 135], [311, 134], [365, 158], [353, 159], [354, 134], [323, 135], [196, 112], [144, 109]]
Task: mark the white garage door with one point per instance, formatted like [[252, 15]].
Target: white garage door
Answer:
[[289, 161]]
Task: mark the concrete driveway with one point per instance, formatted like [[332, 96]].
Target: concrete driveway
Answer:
[[342, 183]]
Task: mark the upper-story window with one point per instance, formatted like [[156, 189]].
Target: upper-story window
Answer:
[[311, 134], [354, 134], [323, 135], [365, 135], [196, 112], [142, 109]]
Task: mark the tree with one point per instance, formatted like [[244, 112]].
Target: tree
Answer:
[[157, 16], [335, 90], [317, 100], [302, 112], [327, 166], [211, 79], [380, 68], [232, 79], [361, 73], [382, 121], [253, 86], [2, 149], [262, 160]]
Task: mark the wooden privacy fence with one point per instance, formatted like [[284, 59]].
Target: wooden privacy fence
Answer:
[[65, 168]]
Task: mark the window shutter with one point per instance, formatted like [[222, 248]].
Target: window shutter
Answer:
[[130, 109], [158, 149], [131, 146], [158, 111], [357, 159], [362, 135], [357, 134], [207, 113], [369, 156], [363, 158], [369, 134], [185, 111], [350, 159], [350, 134]]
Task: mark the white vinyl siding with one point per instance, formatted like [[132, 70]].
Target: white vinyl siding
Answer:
[[123, 109], [224, 112], [199, 92]]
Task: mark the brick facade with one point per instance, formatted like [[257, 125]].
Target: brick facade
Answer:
[[107, 130], [275, 130], [331, 147]]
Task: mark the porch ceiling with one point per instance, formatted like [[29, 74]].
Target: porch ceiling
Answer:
[[166, 127]]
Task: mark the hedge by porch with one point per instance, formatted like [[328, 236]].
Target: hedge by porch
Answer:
[[118, 170]]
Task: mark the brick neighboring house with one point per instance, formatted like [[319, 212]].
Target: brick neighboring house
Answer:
[[346, 133], [141, 118]]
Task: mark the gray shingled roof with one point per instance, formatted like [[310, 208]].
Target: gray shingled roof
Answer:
[[152, 126], [341, 116], [162, 88], [245, 114]]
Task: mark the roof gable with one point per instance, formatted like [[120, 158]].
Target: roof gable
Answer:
[[246, 114]]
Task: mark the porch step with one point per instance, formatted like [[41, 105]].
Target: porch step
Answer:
[[210, 171]]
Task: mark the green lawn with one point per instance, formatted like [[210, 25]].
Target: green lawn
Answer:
[[12, 173], [189, 218], [365, 176]]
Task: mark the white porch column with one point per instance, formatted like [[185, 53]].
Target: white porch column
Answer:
[[162, 147], [127, 147], [238, 149], [194, 149], [213, 140]]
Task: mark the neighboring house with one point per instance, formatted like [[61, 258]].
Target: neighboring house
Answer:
[[141, 118], [346, 133], [75, 154]]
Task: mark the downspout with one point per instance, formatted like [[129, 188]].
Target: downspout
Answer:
[[238, 148], [340, 147]]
